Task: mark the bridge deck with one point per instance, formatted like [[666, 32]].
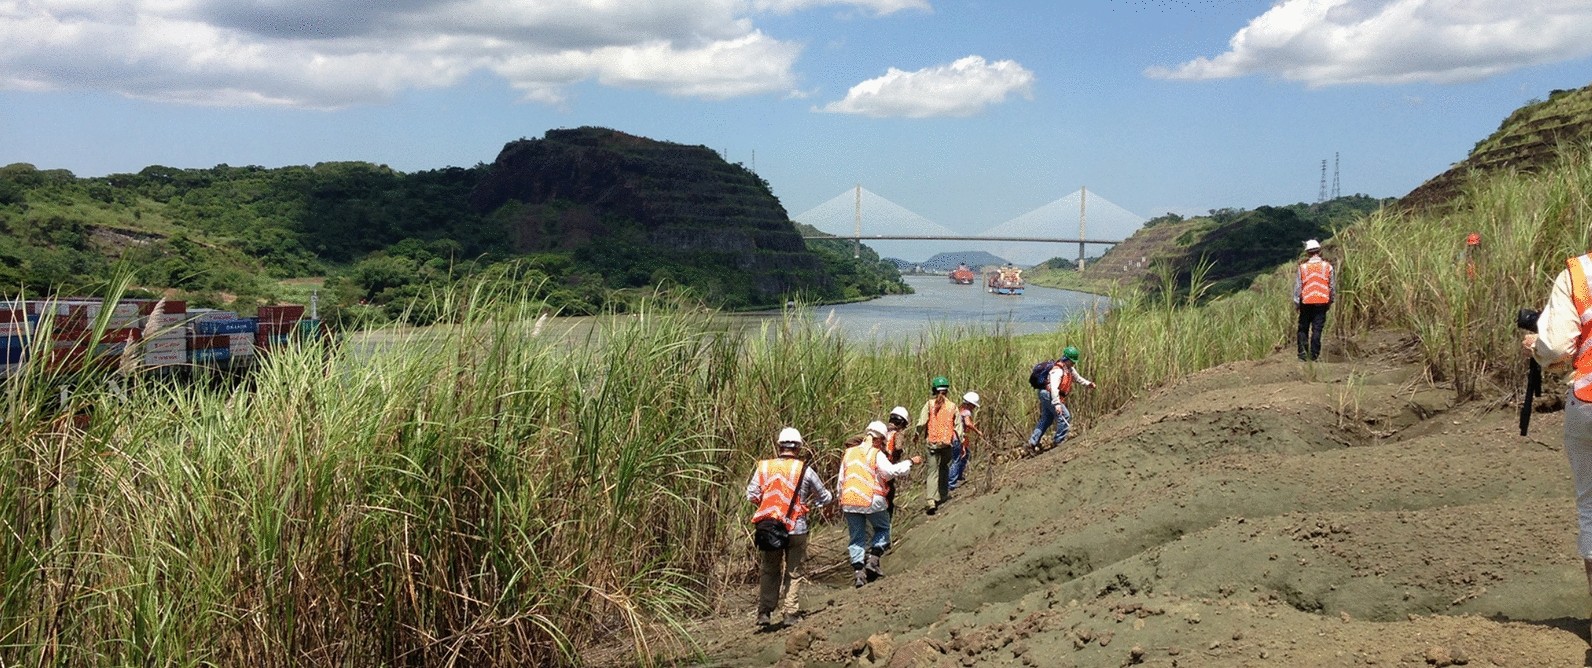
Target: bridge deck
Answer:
[[930, 237]]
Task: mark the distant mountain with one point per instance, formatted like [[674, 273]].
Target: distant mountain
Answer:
[[948, 261]]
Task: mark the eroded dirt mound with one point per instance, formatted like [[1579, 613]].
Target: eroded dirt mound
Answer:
[[1266, 513]]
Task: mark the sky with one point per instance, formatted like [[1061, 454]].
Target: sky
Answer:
[[969, 113]]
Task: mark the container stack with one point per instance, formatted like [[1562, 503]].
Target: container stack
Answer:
[[278, 325], [15, 327], [209, 340], [165, 335]]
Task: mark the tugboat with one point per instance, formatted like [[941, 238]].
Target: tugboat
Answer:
[[962, 275], [1007, 280]]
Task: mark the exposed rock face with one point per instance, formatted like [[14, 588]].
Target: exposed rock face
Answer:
[[615, 194]]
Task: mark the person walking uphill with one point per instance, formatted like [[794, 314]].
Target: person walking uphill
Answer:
[[784, 490], [1314, 291], [1059, 380], [962, 445], [864, 472], [937, 425], [1564, 333], [898, 420]]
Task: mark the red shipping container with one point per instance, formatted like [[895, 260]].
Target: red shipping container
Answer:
[[287, 313], [13, 316], [172, 306], [208, 342], [81, 334]]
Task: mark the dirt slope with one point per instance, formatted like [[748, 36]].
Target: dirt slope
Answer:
[[1261, 513]]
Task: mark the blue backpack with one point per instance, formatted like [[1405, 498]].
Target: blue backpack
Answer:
[[1040, 374]]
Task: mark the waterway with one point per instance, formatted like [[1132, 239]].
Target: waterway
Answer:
[[938, 303]]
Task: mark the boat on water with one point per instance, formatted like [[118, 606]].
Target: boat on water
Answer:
[[1007, 280], [962, 275]]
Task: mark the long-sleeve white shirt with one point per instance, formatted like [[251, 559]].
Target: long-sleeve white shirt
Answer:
[[886, 471], [1053, 381], [1559, 326]]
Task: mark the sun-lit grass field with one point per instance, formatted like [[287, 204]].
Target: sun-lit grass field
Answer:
[[494, 494]]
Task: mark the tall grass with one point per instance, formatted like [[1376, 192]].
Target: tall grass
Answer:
[[491, 494]]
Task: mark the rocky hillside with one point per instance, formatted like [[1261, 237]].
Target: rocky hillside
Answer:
[[1527, 140]]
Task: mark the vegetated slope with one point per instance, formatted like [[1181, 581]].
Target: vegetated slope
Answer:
[[1341, 514], [1528, 140], [586, 216], [1238, 245]]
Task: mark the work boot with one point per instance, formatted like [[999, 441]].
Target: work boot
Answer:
[[764, 619], [859, 577], [872, 569]]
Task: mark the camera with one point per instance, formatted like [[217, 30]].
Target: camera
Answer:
[[1526, 319]]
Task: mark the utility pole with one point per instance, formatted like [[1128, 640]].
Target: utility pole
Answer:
[[1323, 196], [1336, 192], [1083, 199], [856, 249]]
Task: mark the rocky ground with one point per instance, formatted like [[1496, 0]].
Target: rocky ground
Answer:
[[1260, 513]]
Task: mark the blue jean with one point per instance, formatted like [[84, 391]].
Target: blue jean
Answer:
[[1048, 416], [958, 462], [857, 524]]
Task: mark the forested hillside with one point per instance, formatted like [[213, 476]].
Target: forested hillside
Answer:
[[586, 218]]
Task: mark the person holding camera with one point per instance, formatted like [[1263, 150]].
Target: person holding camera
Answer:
[[1564, 333], [1313, 293], [784, 489]]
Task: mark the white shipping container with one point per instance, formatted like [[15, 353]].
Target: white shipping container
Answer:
[[241, 344], [166, 345], [8, 370], [211, 314], [165, 358], [13, 328]]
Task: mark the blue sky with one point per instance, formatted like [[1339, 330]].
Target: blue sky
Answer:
[[968, 113]]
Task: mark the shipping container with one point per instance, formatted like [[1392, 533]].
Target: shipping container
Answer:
[[213, 327]]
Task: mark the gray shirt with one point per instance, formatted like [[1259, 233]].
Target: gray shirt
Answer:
[[812, 494]]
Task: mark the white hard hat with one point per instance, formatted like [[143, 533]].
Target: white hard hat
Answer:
[[789, 437], [1312, 245], [876, 428], [971, 397], [901, 412]]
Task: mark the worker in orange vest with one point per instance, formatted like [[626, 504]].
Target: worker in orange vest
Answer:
[[898, 421], [864, 472], [937, 426], [1564, 328], [1472, 249], [784, 489], [1314, 291], [962, 445]]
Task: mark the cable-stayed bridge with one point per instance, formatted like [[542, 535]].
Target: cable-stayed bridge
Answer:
[[1080, 218]]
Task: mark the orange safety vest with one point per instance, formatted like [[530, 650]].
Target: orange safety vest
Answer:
[[1066, 382], [777, 479], [859, 482], [1581, 295], [892, 445], [1315, 282], [942, 422]]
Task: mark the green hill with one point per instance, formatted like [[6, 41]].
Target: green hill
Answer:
[[586, 217]]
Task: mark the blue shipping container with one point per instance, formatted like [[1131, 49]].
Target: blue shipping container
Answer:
[[218, 327], [12, 349], [209, 355]]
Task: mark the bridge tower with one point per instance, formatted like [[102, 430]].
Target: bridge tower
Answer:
[[856, 249], [1083, 198]]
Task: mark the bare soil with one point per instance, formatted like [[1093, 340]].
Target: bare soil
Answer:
[[1342, 513]]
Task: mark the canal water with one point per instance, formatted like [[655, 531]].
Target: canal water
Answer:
[[938, 303]]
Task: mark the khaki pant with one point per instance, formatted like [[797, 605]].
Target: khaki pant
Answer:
[[939, 475], [779, 573]]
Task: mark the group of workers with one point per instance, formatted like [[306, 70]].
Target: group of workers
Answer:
[[785, 489]]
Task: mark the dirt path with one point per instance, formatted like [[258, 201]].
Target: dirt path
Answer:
[[1261, 513]]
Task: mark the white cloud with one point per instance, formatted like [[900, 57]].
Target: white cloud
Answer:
[[963, 88], [1327, 42], [879, 7], [337, 53]]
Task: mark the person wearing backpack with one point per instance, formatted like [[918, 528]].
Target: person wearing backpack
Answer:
[[1059, 379], [784, 490]]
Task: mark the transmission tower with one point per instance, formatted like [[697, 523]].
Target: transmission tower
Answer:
[[1336, 192], [1323, 196]]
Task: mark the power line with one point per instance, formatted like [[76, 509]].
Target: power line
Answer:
[[1323, 196], [1336, 192]]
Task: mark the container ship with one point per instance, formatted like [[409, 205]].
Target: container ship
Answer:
[[962, 275], [1007, 280]]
